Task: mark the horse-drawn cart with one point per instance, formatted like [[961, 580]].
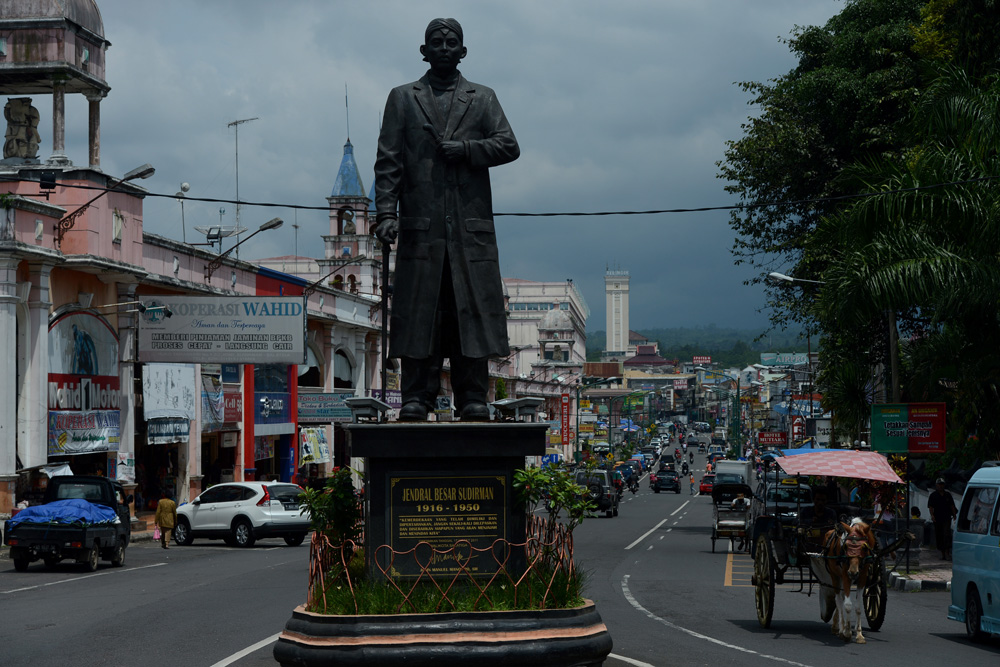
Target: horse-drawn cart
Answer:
[[834, 559], [731, 517]]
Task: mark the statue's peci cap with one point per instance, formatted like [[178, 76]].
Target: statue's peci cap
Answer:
[[450, 25]]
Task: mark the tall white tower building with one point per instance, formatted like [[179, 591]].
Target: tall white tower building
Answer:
[[616, 292]]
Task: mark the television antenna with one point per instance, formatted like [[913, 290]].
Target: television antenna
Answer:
[[236, 125]]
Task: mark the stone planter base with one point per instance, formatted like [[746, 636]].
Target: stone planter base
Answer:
[[551, 638]]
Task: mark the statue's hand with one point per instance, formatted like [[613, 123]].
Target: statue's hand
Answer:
[[387, 230], [452, 151]]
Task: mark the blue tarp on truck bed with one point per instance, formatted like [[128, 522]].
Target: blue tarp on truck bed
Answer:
[[66, 512]]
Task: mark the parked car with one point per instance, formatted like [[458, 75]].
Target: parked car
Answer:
[[665, 480], [242, 512], [600, 490], [84, 518], [705, 486]]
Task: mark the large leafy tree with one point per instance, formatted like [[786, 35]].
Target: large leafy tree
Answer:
[[926, 248], [846, 101]]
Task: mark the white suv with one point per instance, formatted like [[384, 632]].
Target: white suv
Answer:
[[241, 512]]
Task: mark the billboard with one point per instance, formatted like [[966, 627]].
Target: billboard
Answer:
[[702, 361], [83, 396], [908, 427], [238, 329], [783, 358]]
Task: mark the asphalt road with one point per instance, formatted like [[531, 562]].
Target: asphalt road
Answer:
[[665, 597], [196, 605], [668, 600]]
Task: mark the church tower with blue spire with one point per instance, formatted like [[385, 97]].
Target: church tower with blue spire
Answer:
[[352, 220]]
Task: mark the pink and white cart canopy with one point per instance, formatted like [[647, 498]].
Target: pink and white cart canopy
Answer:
[[841, 463]]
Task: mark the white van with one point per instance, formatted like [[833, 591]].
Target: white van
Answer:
[[975, 552]]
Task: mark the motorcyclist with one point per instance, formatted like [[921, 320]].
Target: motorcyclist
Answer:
[[685, 469]]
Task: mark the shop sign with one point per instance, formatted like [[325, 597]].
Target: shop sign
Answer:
[[908, 427], [772, 438], [83, 392], [394, 397], [272, 407], [83, 432], [681, 384], [586, 428], [229, 439], [324, 408], [167, 430], [314, 448], [230, 373], [702, 361], [564, 418], [798, 428], [224, 330], [584, 404], [232, 411]]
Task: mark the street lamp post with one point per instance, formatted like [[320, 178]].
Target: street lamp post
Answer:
[[273, 223], [66, 222]]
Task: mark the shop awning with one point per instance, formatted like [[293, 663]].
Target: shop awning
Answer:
[[841, 463]]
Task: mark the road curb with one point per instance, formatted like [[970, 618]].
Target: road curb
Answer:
[[901, 582]]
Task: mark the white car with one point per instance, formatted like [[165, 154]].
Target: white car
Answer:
[[242, 512]]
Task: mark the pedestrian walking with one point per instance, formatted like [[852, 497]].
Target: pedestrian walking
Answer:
[[692, 483], [943, 511], [166, 518]]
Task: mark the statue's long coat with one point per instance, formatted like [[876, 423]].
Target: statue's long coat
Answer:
[[445, 210]]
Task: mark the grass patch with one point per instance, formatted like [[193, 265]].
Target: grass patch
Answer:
[[377, 597]]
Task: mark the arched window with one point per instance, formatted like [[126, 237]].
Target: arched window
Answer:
[[345, 221], [311, 372], [343, 371]]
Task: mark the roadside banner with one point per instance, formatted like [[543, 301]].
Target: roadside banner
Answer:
[[917, 428]]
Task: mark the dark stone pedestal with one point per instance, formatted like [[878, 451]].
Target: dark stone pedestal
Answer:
[[547, 638], [439, 483]]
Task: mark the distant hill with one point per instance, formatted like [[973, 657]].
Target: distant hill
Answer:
[[727, 347]]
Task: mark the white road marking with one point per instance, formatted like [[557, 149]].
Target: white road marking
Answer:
[[697, 635], [630, 661], [86, 576], [646, 534], [679, 508], [247, 651]]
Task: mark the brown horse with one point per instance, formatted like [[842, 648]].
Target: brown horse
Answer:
[[846, 550]]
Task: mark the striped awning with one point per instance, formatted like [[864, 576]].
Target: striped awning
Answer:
[[841, 463]]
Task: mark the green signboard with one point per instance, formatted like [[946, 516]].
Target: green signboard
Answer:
[[908, 428]]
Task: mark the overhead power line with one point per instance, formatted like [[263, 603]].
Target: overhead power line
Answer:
[[577, 214]]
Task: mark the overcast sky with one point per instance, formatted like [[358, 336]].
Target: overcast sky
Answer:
[[621, 105]]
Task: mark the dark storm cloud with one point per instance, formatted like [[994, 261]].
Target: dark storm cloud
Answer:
[[616, 105]]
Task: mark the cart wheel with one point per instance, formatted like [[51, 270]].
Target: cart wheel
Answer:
[[875, 596], [764, 582]]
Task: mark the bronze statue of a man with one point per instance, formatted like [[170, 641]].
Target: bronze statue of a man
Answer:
[[440, 135]]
